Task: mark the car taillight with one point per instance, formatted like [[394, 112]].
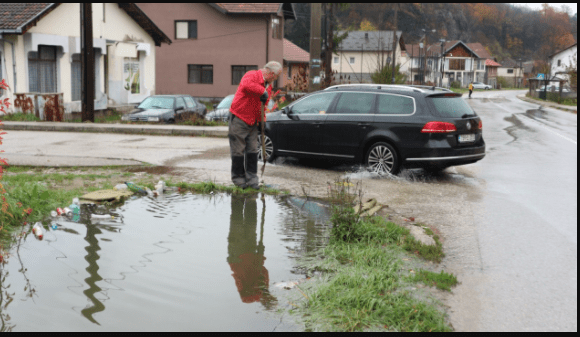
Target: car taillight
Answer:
[[439, 127], [480, 125]]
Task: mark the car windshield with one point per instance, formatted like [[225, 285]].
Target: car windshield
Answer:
[[157, 103], [226, 102], [451, 106]]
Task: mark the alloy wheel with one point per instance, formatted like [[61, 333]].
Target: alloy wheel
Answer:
[[269, 147], [381, 159]]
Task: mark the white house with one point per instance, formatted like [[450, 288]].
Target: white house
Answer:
[[40, 54], [563, 59], [459, 61], [361, 53]]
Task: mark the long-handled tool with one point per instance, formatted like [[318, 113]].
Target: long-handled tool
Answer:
[[263, 139]]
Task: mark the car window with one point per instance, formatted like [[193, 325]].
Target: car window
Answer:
[[353, 103], [395, 105], [226, 102], [157, 103], [451, 106], [315, 104], [189, 101], [180, 104]]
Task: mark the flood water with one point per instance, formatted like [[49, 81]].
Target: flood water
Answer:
[[179, 262]]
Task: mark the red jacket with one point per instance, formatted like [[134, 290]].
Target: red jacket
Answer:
[[246, 103]]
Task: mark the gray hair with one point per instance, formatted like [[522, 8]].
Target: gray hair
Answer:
[[273, 66]]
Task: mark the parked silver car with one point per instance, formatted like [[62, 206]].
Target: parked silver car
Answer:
[[221, 111], [479, 85], [165, 109]]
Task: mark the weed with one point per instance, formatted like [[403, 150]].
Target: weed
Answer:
[[21, 117], [428, 252], [443, 280], [428, 231]]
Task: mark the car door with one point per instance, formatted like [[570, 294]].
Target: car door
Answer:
[[191, 106], [348, 124], [301, 130], [396, 115], [180, 107]]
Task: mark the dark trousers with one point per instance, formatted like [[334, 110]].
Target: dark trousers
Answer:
[[244, 152], [470, 91]]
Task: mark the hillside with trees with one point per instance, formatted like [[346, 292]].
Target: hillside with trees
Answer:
[[506, 31]]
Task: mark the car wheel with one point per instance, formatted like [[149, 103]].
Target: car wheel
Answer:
[[269, 148], [382, 158], [171, 121]]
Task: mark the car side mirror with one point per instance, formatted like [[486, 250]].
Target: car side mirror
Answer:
[[215, 106]]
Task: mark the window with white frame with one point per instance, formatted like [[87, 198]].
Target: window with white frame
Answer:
[[351, 60], [185, 29], [336, 59], [42, 70], [131, 75]]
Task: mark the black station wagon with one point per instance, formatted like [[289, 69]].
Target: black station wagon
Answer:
[[384, 127]]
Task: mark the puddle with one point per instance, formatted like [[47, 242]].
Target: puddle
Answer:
[[180, 262]]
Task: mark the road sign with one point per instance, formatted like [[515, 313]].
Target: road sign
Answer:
[[540, 76]]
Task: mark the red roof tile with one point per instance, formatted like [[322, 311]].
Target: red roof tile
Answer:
[[294, 53], [479, 49], [15, 15], [491, 63]]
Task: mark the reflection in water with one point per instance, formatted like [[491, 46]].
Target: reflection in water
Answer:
[[94, 277], [245, 255]]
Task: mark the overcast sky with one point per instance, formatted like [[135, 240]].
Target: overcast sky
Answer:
[[536, 6]]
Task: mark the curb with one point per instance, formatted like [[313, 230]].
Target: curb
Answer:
[[546, 104], [220, 132]]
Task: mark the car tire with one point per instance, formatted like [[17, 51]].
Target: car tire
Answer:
[[382, 158], [269, 149]]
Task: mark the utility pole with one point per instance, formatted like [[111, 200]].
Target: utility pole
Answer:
[[395, 40], [315, 45], [329, 45], [87, 63]]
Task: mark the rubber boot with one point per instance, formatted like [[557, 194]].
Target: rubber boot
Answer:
[[252, 171], [238, 172]]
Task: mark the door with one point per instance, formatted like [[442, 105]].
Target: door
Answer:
[[348, 124], [301, 131]]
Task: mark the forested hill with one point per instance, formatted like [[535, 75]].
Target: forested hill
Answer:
[[506, 31]]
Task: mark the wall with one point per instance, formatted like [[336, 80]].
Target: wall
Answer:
[[568, 57], [222, 41], [111, 24]]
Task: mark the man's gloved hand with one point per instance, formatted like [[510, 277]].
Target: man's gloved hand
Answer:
[[264, 97]]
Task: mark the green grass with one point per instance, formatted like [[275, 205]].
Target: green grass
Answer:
[[364, 287], [210, 186], [554, 99], [443, 280], [427, 252], [20, 117]]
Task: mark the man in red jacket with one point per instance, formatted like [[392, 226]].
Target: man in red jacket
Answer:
[[245, 117]]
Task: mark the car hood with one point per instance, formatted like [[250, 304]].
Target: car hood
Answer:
[[152, 112]]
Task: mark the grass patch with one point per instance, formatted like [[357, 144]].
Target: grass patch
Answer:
[[428, 252], [443, 280], [210, 186], [20, 117]]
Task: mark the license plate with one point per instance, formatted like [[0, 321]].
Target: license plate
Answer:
[[466, 138]]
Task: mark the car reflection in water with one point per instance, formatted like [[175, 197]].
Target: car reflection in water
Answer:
[[246, 252]]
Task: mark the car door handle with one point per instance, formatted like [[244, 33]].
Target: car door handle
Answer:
[[317, 124], [363, 125]]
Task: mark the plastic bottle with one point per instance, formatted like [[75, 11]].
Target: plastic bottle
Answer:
[[54, 226], [101, 216], [135, 188], [37, 230], [53, 214], [67, 211], [120, 187], [76, 209], [76, 201]]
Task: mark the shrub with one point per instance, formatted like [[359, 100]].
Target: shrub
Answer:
[[503, 82], [455, 84]]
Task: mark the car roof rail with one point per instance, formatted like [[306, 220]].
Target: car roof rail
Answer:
[[376, 86], [430, 87]]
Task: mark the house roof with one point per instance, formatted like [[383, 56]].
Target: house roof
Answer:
[[509, 63], [558, 52], [479, 50], [286, 9], [18, 18], [379, 40], [293, 53], [491, 63]]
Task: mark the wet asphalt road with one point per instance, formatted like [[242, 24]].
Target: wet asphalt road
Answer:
[[526, 224], [508, 222]]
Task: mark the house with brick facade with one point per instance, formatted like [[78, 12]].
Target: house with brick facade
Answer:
[[296, 66], [215, 44]]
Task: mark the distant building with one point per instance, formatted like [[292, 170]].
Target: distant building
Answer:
[[362, 53], [560, 61], [461, 62], [296, 60], [513, 72]]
